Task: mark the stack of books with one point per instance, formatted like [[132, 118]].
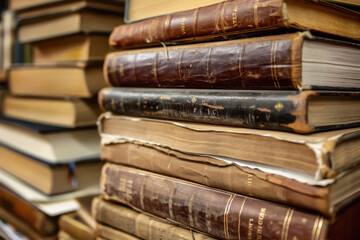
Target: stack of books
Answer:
[[49, 144], [239, 138]]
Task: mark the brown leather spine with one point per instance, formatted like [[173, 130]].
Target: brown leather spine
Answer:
[[257, 63], [222, 214], [27, 213], [218, 174], [140, 225], [228, 17]]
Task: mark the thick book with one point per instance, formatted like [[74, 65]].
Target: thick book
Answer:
[[57, 145], [71, 21], [257, 180], [75, 227], [66, 79], [22, 227], [32, 9], [286, 61], [70, 113], [147, 227], [219, 213], [80, 47], [28, 213], [141, 9], [292, 111], [321, 155], [50, 179], [239, 17]]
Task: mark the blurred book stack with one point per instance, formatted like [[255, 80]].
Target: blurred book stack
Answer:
[[231, 120], [49, 144]]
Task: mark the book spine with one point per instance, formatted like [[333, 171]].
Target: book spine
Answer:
[[75, 228], [37, 220], [282, 110], [259, 63], [219, 174], [228, 17], [219, 213], [139, 224], [105, 232]]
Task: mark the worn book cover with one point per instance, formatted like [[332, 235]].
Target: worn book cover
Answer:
[[222, 214], [239, 17], [286, 61], [292, 111]]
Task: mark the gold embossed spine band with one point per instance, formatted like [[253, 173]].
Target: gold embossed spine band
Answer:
[[219, 213], [257, 63]]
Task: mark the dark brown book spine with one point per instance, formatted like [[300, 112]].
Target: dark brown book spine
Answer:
[[276, 110], [222, 214], [141, 225], [228, 17], [264, 63], [27, 213]]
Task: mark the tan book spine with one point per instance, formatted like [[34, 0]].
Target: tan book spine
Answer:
[[218, 174], [107, 233], [75, 228], [139, 224], [219, 213]]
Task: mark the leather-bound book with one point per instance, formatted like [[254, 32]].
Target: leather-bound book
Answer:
[[239, 17], [287, 61], [259, 181], [222, 214], [138, 224], [28, 214], [291, 111]]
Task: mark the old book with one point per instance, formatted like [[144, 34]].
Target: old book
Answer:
[[50, 179], [339, 149], [48, 7], [29, 215], [287, 61], [239, 17], [51, 205], [72, 224], [292, 111], [138, 224], [84, 210], [219, 213], [105, 232], [73, 22], [256, 180], [22, 227], [60, 112], [140, 9], [58, 145], [71, 79], [72, 48]]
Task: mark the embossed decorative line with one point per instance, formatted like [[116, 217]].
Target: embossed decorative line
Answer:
[[284, 224], [155, 69], [317, 237], [256, 18], [222, 20], [288, 224], [242, 47], [226, 216], [315, 227], [239, 224], [196, 12]]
